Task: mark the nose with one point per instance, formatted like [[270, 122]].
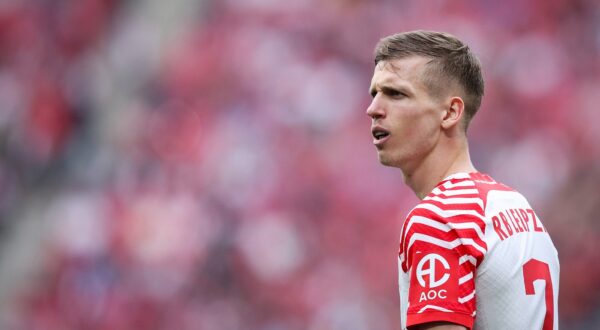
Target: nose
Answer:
[[375, 110]]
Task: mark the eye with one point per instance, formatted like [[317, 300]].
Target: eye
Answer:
[[393, 93], [373, 93]]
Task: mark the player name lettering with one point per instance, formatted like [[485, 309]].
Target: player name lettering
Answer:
[[514, 221]]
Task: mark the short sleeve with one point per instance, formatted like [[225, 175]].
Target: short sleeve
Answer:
[[440, 250], [441, 246], [441, 282]]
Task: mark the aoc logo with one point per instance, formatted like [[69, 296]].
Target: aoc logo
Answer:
[[433, 271]]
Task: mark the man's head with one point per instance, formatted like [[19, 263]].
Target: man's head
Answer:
[[426, 85], [451, 62]]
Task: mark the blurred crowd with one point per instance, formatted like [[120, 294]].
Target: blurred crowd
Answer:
[[208, 164]]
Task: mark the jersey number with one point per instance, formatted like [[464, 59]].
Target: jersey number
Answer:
[[537, 270]]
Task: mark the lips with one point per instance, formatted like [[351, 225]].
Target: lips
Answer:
[[380, 135]]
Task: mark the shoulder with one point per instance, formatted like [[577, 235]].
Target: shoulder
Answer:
[[486, 184], [455, 199], [465, 188], [452, 216]]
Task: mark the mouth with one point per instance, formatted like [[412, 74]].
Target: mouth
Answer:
[[380, 135]]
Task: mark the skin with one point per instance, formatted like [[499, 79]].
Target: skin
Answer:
[[427, 140]]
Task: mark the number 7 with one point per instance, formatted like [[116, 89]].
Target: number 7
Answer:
[[537, 270]]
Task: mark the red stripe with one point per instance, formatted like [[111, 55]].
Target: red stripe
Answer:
[[469, 195], [462, 249], [468, 286], [444, 188], [445, 236], [455, 207], [459, 218], [449, 236], [464, 319], [418, 228], [485, 187]]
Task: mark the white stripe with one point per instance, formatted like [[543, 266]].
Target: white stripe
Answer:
[[439, 192], [456, 201], [467, 183], [459, 175], [444, 244], [466, 298], [444, 227], [428, 222], [448, 213], [437, 308], [465, 278], [466, 258]]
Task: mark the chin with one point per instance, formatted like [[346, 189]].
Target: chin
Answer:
[[386, 160], [391, 160]]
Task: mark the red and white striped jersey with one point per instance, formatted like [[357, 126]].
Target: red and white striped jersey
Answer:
[[473, 252]]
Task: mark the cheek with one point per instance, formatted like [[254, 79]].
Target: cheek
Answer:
[[418, 132], [417, 125], [429, 126]]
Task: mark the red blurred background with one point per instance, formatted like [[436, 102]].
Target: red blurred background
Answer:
[[208, 164]]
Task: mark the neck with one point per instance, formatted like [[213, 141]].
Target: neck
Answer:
[[448, 158]]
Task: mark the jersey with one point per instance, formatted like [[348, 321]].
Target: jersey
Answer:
[[473, 252]]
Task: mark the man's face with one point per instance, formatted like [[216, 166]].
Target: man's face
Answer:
[[405, 116]]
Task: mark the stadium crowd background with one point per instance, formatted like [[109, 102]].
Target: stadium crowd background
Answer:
[[208, 164]]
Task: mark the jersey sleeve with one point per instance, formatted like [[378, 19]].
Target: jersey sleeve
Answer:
[[442, 245]]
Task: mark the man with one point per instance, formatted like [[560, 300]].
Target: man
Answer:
[[473, 254]]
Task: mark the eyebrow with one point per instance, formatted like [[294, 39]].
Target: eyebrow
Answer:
[[387, 87]]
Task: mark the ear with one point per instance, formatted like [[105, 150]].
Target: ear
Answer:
[[454, 113]]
